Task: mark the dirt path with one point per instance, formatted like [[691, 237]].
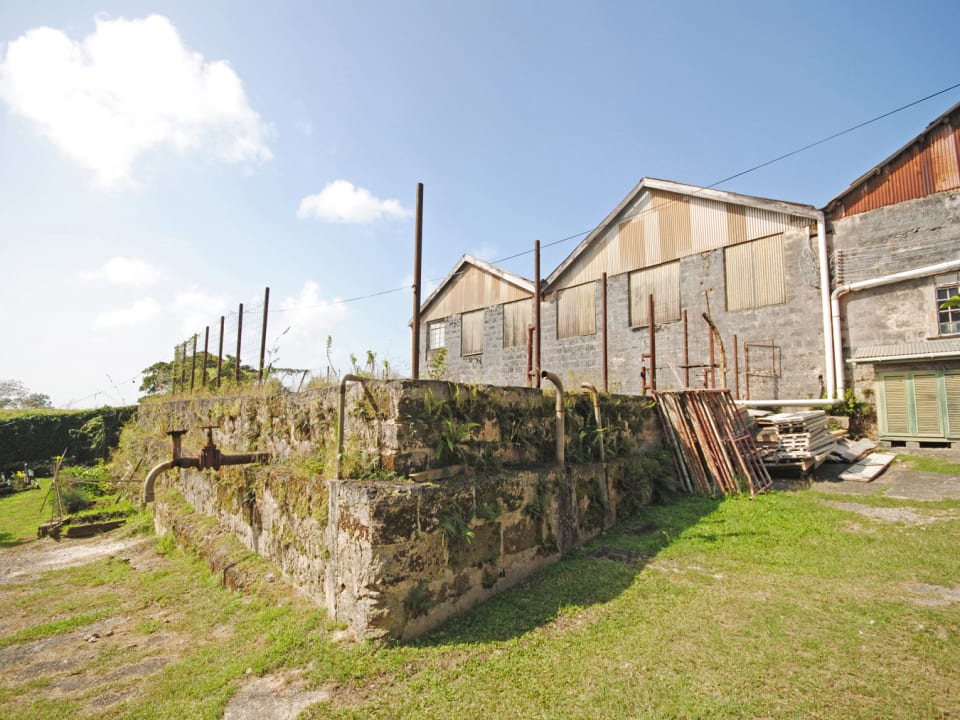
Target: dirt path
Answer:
[[29, 560]]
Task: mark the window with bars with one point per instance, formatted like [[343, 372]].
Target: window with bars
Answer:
[[754, 274], [471, 333], [661, 281], [577, 311], [436, 335], [948, 286]]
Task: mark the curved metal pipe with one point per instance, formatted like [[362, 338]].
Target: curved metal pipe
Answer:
[[147, 495], [595, 396], [560, 430], [341, 416]]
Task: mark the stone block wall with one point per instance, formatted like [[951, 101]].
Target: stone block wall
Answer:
[[450, 491]]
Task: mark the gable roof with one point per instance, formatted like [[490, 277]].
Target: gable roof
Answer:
[[645, 184], [521, 284], [929, 163]]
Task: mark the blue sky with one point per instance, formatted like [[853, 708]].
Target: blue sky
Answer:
[[162, 162]]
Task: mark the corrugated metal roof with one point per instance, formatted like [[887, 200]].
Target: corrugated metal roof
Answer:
[[929, 163], [660, 221], [947, 347], [474, 284]]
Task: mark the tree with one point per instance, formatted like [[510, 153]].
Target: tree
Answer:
[[14, 394]]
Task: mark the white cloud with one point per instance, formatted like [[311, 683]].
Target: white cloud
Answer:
[[300, 329], [127, 271], [199, 309], [138, 313], [129, 87], [340, 201]]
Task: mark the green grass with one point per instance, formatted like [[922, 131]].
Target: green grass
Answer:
[[20, 515], [781, 606], [930, 464]]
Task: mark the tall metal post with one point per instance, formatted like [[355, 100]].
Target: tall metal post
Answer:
[[604, 327], [236, 370], [736, 369], [653, 343], [183, 366], [529, 355], [173, 369], [193, 364], [417, 250], [263, 333], [206, 349], [686, 352], [536, 309], [220, 353]]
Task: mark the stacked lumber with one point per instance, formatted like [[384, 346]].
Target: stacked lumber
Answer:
[[714, 449], [799, 436]]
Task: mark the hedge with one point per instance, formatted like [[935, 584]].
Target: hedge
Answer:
[[38, 436]]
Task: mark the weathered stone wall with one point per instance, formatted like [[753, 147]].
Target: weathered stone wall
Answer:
[[451, 492]]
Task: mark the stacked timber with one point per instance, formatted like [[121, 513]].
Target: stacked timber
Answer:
[[795, 437]]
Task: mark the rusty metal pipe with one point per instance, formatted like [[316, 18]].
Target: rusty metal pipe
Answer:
[[560, 429], [341, 415], [595, 396]]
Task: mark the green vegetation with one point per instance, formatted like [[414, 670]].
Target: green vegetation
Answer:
[[787, 605], [20, 515], [37, 436], [927, 463]]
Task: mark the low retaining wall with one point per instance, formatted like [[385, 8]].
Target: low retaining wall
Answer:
[[458, 498]]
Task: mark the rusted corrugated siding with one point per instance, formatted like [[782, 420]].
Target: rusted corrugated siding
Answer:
[[930, 164], [663, 282], [516, 317], [577, 311], [472, 290], [666, 226]]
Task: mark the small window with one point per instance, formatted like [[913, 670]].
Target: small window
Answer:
[[436, 335], [577, 311], [471, 333], [948, 318]]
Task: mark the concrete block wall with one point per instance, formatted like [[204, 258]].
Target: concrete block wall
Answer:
[[795, 328], [893, 239]]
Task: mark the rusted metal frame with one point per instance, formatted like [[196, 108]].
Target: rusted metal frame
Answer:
[[220, 353], [727, 472], [719, 424], [263, 334], [729, 436], [686, 352], [206, 349], [736, 368], [714, 333], [666, 405], [741, 440], [605, 336], [417, 250], [705, 445], [684, 472], [236, 370]]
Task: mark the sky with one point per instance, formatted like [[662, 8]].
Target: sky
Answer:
[[163, 162]]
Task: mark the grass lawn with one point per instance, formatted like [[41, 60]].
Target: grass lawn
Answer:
[[801, 605], [20, 514]]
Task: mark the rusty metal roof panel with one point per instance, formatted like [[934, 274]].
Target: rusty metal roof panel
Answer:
[[928, 164]]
